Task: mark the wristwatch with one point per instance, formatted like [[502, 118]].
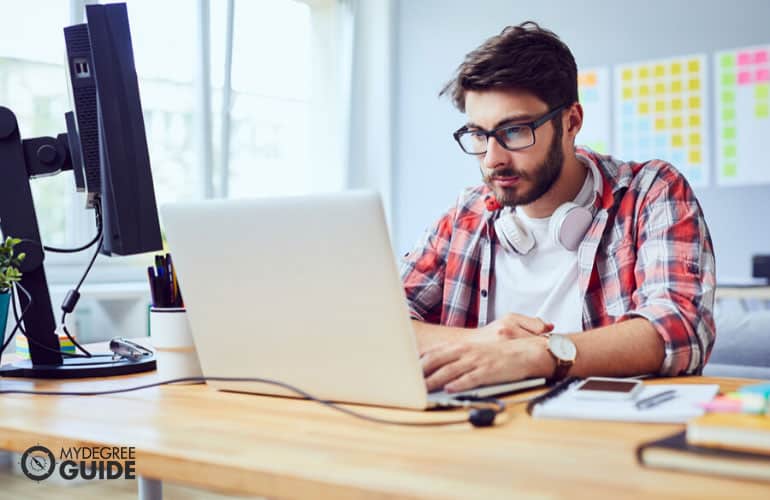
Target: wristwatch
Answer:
[[564, 351]]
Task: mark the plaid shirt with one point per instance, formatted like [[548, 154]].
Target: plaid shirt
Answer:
[[648, 253]]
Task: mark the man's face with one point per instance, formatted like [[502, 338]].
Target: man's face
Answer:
[[516, 177]]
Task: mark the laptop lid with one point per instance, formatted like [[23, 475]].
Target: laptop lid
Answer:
[[304, 290]]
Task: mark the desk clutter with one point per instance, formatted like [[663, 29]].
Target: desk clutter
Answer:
[[164, 285], [732, 439]]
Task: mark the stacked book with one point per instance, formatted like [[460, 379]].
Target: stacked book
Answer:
[[733, 439]]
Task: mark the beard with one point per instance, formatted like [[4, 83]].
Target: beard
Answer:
[[541, 179]]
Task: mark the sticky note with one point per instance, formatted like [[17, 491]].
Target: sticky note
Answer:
[[644, 142], [744, 78], [676, 122], [693, 65], [628, 93], [730, 151], [644, 91], [762, 110], [693, 102], [676, 104], [745, 58], [644, 108], [761, 56], [730, 170], [627, 75], [660, 106], [728, 97], [677, 141], [728, 114], [693, 84], [660, 70], [727, 60], [645, 125], [591, 79], [660, 88], [728, 133], [676, 68], [677, 157], [694, 120], [762, 91], [728, 79], [695, 156], [660, 124], [695, 139], [676, 86], [628, 127], [661, 140], [762, 75], [644, 72]]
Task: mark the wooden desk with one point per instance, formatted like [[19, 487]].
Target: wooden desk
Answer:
[[297, 449], [743, 292]]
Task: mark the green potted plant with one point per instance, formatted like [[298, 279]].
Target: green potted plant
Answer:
[[9, 274]]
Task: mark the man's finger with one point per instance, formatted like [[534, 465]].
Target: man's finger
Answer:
[[447, 373], [468, 380], [436, 358]]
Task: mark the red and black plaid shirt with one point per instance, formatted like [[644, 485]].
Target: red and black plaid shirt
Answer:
[[648, 253]]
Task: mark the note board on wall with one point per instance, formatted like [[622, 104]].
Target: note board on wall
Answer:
[[660, 110], [594, 91], [742, 118]]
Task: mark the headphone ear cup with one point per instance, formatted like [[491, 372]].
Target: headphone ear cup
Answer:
[[569, 225], [513, 236]]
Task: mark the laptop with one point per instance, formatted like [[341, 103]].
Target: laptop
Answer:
[[305, 291]]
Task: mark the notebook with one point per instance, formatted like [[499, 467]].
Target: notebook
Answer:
[[562, 402], [675, 453]]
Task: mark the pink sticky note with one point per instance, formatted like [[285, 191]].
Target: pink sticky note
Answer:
[[761, 56], [744, 78], [745, 58], [763, 75], [722, 404]]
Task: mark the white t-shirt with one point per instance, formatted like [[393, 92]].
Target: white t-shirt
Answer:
[[544, 282]]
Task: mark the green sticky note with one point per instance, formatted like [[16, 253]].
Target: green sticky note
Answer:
[[730, 151], [762, 110], [730, 170], [762, 91], [728, 79], [728, 97], [728, 114], [727, 60], [728, 133]]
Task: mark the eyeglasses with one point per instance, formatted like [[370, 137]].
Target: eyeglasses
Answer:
[[510, 137]]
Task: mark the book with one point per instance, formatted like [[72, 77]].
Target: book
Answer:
[[734, 431], [675, 453]]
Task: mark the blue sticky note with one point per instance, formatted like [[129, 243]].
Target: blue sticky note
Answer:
[[661, 142], [628, 109], [678, 159], [762, 389], [645, 125], [645, 142]]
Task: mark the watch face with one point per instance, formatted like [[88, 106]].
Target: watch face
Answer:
[[562, 347]]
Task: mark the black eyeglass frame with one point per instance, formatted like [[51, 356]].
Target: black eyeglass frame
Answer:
[[534, 125]]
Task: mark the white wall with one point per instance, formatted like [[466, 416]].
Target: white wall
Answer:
[[433, 36]]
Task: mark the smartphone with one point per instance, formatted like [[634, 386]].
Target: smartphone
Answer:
[[605, 388]]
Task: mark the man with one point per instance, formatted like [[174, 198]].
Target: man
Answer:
[[565, 262]]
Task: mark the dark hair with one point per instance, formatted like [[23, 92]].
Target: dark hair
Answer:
[[524, 57]]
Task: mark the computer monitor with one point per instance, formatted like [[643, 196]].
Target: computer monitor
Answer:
[[124, 192]]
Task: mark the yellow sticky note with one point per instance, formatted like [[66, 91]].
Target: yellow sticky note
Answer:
[[628, 93], [693, 65], [627, 75], [660, 124], [693, 84], [762, 91], [763, 110], [677, 122], [676, 68], [591, 79], [644, 91], [695, 156], [695, 120], [693, 102], [676, 104], [644, 108], [695, 140], [660, 88], [660, 106], [644, 72], [660, 70], [676, 86], [677, 141]]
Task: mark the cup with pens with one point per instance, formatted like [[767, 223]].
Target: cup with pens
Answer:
[[169, 327]]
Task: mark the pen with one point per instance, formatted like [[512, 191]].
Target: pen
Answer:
[[151, 277], [655, 400]]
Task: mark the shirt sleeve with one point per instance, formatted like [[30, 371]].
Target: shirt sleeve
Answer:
[[675, 275], [423, 270]]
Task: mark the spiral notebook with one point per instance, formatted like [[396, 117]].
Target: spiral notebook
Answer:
[[562, 402]]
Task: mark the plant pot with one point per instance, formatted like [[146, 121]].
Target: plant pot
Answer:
[[5, 301]]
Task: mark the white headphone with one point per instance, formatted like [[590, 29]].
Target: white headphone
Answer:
[[568, 225]]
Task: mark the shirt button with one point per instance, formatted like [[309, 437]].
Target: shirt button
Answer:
[[484, 293]]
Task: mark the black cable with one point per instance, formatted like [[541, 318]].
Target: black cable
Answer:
[[499, 404], [97, 209]]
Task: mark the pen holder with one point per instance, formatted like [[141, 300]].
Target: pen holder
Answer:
[[171, 337]]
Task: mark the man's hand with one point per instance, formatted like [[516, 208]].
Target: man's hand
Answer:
[[464, 365], [512, 326]]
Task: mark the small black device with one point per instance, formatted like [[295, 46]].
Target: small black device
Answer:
[[760, 267]]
